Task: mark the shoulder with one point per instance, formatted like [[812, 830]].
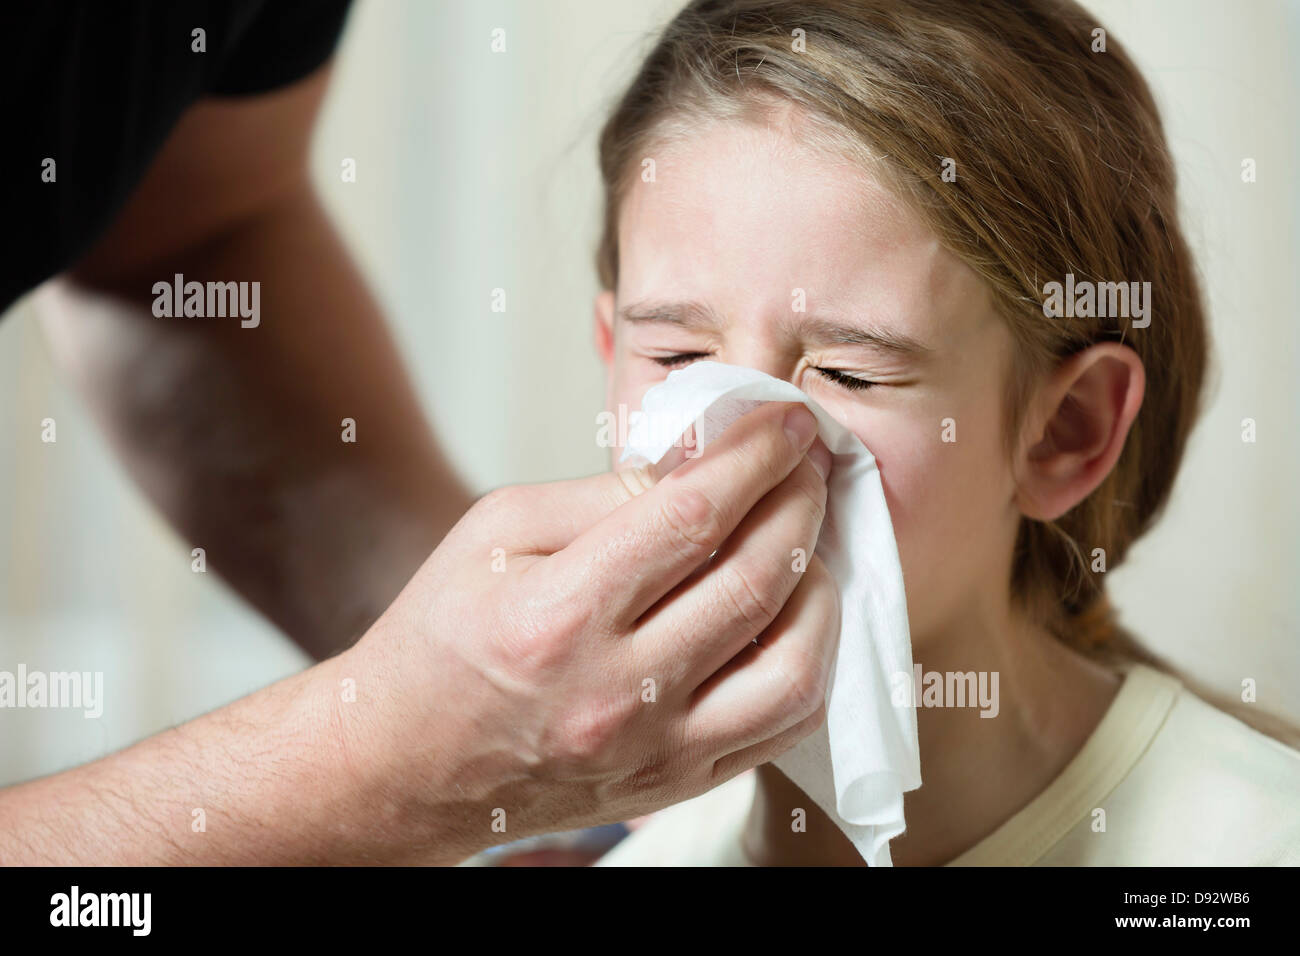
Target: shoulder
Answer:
[[703, 831], [1234, 773], [276, 44], [1208, 790]]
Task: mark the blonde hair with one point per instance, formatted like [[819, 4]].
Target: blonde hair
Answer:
[[1062, 167]]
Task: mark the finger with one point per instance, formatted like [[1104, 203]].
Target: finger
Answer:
[[768, 750], [550, 516], [643, 549], [779, 681], [738, 594]]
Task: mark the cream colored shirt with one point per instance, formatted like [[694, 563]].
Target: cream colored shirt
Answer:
[[1181, 784]]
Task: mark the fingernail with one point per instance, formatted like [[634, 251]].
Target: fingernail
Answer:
[[800, 426], [820, 457]]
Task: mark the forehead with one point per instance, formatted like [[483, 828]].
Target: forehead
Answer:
[[742, 212]]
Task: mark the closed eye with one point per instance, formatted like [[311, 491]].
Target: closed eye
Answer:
[[849, 382], [846, 381], [683, 358]]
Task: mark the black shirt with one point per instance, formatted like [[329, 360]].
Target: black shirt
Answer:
[[97, 86]]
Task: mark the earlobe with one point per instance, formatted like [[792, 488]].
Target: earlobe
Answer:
[[1092, 401], [604, 325]]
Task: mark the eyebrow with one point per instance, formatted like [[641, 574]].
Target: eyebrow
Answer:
[[695, 315], [691, 315]]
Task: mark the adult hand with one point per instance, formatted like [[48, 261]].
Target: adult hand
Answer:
[[576, 653]]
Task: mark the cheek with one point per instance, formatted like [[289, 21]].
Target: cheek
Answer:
[[944, 502], [630, 377], [914, 474]]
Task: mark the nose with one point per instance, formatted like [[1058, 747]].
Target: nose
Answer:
[[753, 352]]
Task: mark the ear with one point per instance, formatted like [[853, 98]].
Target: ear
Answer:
[[1084, 413], [604, 327]]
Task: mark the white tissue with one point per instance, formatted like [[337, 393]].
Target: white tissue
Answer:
[[861, 761]]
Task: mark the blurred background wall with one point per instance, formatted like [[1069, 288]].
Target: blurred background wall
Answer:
[[476, 171]]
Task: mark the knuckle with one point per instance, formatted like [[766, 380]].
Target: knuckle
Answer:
[[823, 593], [636, 481], [817, 578], [586, 737], [695, 520], [814, 720], [500, 503], [803, 688], [542, 637], [673, 643], [653, 774], [800, 731], [752, 603], [810, 486]]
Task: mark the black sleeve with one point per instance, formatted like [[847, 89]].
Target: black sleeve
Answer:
[[284, 42]]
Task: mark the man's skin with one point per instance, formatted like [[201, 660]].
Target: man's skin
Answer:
[[235, 433], [475, 691]]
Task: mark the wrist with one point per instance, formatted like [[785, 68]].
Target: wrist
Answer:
[[409, 789]]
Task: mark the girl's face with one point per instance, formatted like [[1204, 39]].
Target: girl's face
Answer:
[[752, 248]]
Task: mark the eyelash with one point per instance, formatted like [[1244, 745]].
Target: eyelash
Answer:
[[839, 378]]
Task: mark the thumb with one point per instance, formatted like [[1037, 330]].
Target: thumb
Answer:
[[550, 516]]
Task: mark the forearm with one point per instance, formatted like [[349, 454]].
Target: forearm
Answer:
[[270, 779], [237, 433]]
